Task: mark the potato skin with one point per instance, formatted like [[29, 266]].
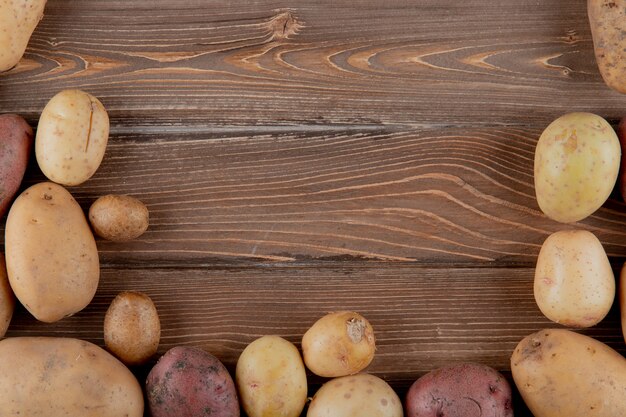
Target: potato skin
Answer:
[[560, 373], [16, 137], [608, 25], [118, 218], [361, 395], [271, 379], [465, 389], [622, 299], [7, 299], [51, 254], [576, 165], [55, 377], [189, 382], [574, 282], [340, 343], [71, 138], [132, 329], [19, 18], [621, 134]]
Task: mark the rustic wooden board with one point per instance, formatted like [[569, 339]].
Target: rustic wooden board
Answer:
[[301, 157]]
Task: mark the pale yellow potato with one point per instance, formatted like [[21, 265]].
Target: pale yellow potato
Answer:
[[271, 379], [7, 299], [565, 374], [622, 299], [574, 283], [51, 254], [118, 218], [360, 395], [72, 137], [59, 377], [132, 329], [607, 19], [340, 343], [576, 165], [18, 19]]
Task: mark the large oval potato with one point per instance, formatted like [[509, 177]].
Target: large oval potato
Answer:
[[565, 374], [608, 25], [576, 165], [52, 258], [271, 379], [574, 282], [58, 377], [16, 142], [189, 382], [360, 395], [464, 389], [340, 343], [71, 138], [7, 299], [18, 20]]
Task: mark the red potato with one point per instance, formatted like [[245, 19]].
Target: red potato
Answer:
[[462, 390], [16, 143], [189, 382]]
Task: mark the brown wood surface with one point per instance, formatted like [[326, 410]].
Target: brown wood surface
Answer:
[[302, 157]]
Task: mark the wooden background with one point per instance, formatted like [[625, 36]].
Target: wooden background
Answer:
[[301, 157]]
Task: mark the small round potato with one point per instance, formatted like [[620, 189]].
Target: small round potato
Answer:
[[574, 283], [7, 299], [339, 344], [118, 218], [360, 395], [131, 328], [71, 138]]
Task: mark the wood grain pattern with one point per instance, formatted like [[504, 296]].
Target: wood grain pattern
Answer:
[[239, 63], [440, 197]]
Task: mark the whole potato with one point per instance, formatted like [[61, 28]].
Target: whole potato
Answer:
[[59, 377], [621, 134], [18, 20], [360, 395], [608, 25], [576, 165], [574, 283], [7, 299], [339, 344], [71, 138], [16, 140], [118, 218], [189, 382], [622, 299], [271, 379], [132, 328], [565, 374], [465, 389], [51, 254]]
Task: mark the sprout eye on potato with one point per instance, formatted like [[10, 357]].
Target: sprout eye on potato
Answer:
[[18, 19]]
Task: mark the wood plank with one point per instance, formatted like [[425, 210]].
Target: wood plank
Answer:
[[440, 197], [423, 318], [296, 62]]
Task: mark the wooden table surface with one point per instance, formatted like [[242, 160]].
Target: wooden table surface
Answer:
[[302, 157]]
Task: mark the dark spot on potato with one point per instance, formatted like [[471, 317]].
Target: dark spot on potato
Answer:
[[347, 395], [47, 197]]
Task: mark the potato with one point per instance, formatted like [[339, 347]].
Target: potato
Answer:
[[16, 140], [52, 258], [622, 299], [189, 382], [55, 377], [360, 395], [18, 20], [576, 165], [574, 283], [118, 218], [71, 137], [565, 374], [339, 344], [465, 389], [271, 379], [132, 328], [608, 25], [621, 134], [7, 299]]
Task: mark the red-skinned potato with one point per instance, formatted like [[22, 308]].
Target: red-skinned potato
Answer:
[[465, 389], [16, 143], [190, 382]]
